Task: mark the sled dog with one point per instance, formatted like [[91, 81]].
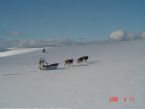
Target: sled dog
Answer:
[[82, 59], [68, 62]]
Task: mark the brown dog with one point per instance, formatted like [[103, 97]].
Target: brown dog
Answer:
[[68, 62]]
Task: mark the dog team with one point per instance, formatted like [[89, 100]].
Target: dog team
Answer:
[[43, 65], [81, 60]]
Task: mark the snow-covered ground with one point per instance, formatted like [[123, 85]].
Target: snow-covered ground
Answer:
[[16, 51], [112, 70]]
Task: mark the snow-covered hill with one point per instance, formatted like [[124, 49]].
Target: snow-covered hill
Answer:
[[112, 70]]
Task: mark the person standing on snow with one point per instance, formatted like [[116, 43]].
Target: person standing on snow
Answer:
[[43, 51]]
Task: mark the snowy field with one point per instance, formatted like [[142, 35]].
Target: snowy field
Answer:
[[112, 70]]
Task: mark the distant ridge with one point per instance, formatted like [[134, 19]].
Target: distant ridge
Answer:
[[3, 49]]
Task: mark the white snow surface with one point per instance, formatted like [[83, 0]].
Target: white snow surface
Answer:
[[112, 70], [16, 51]]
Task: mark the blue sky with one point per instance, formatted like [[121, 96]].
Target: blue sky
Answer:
[[71, 19]]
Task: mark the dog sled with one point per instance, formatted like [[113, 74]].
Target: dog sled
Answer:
[[50, 66], [43, 65]]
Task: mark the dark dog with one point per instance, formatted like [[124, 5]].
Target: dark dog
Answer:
[[68, 62], [82, 59], [85, 58]]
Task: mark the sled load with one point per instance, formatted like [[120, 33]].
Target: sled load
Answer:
[[50, 66], [43, 65]]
